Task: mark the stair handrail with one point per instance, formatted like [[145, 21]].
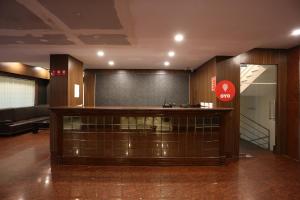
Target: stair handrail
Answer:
[[255, 122], [260, 125], [248, 124]]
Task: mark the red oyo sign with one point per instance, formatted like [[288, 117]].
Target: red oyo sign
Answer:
[[225, 90]]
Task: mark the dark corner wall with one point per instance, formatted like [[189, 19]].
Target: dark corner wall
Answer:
[[62, 88], [293, 100], [42, 88], [288, 97], [200, 83]]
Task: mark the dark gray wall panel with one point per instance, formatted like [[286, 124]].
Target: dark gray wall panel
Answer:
[[42, 91], [134, 88]]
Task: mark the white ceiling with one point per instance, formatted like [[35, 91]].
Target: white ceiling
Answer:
[[140, 32]]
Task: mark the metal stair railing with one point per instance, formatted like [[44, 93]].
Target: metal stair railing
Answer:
[[254, 132]]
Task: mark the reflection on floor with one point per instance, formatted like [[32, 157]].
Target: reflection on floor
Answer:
[[26, 174], [250, 150]]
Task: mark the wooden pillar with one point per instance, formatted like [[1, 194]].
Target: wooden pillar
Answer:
[[228, 69], [62, 87], [293, 101], [65, 72]]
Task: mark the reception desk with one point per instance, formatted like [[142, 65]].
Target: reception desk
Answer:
[[138, 135]]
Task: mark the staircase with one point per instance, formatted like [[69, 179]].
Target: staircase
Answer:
[[254, 132], [249, 74]]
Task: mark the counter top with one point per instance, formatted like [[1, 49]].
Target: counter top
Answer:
[[136, 110], [132, 108]]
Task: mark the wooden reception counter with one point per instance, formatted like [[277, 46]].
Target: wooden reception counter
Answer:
[[138, 135]]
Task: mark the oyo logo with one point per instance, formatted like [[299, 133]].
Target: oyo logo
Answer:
[[225, 90]]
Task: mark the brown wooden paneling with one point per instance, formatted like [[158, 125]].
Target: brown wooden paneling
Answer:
[[24, 70], [75, 76], [62, 91], [200, 83], [293, 100], [229, 68], [59, 84], [274, 57], [89, 87], [62, 87]]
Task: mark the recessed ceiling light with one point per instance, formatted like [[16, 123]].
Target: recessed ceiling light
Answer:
[[43, 40], [171, 53], [100, 53], [111, 63], [178, 37], [296, 32], [167, 63], [38, 68], [78, 14]]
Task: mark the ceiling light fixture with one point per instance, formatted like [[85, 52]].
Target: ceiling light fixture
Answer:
[[78, 14], [171, 53], [167, 63], [44, 40], [38, 68], [100, 53], [178, 37], [296, 32], [111, 63]]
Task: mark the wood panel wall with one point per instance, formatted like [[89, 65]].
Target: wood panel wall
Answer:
[[62, 87], [59, 84], [62, 90], [24, 70], [89, 87], [229, 68], [75, 76], [273, 57], [293, 100], [200, 83]]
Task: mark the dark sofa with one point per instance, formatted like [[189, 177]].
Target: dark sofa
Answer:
[[18, 120]]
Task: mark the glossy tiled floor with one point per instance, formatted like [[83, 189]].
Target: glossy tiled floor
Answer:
[[26, 174]]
